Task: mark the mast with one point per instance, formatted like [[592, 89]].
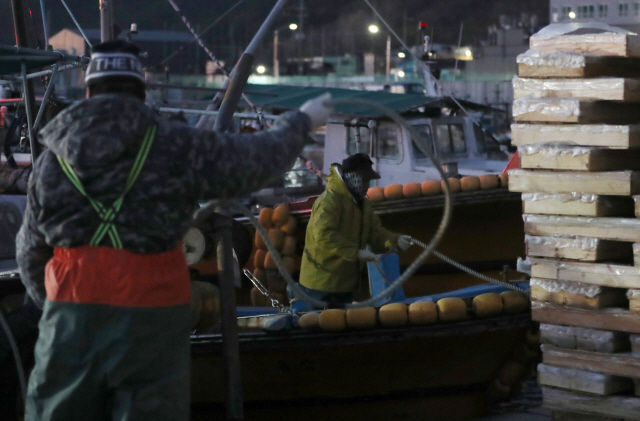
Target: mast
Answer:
[[20, 26], [106, 20]]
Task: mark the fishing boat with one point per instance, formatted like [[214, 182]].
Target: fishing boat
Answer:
[[448, 370]]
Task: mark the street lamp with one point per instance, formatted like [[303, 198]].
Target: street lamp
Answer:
[[572, 15], [400, 73], [373, 29], [401, 54], [261, 69], [276, 61]]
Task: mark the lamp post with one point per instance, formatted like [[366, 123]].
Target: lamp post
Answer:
[[374, 29], [276, 61]]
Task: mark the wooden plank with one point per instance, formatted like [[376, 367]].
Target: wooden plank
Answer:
[[576, 294], [613, 183], [636, 201], [576, 248], [614, 229], [623, 364], [586, 339], [573, 416], [602, 274], [634, 301], [601, 89], [571, 65], [609, 136], [606, 319], [605, 44], [578, 158], [573, 110], [582, 380], [577, 204], [624, 407]]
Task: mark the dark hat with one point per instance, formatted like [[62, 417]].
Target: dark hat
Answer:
[[114, 58], [360, 162]]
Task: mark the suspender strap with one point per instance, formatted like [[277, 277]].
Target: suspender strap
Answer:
[[108, 214]]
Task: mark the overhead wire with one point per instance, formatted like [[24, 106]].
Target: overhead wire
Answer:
[[64, 3], [207, 50], [182, 47]]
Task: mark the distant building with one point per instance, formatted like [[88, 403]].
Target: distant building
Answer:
[[622, 13], [156, 44]]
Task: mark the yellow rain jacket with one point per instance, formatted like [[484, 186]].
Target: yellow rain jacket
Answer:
[[337, 231]]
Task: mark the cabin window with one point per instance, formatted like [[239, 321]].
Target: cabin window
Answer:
[[425, 132], [361, 145], [388, 144], [451, 139]]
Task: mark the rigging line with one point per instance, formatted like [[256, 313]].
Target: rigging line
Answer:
[[175, 53], [417, 58], [64, 3], [209, 53]]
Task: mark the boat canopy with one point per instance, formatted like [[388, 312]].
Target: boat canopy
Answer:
[[11, 58]]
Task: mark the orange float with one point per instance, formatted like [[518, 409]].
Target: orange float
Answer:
[[393, 192], [375, 194], [431, 187], [469, 183], [411, 190]]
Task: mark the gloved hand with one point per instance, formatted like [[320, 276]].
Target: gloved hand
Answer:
[[404, 242], [368, 256], [317, 111]]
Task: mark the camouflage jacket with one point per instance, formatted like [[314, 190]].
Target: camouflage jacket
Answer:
[[100, 138]]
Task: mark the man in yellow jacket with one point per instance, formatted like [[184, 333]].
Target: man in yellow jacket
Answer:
[[341, 227]]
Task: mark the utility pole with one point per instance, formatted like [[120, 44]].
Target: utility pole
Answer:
[[106, 20], [388, 56], [276, 62], [300, 36], [20, 26]]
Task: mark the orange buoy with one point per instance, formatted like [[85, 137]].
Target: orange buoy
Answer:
[[277, 238], [289, 263], [393, 192], [259, 242], [411, 190], [431, 187], [269, 263], [280, 215], [504, 180], [290, 227], [469, 183], [375, 194], [289, 246], [258, 259], [489, 182], [259, 274], [265, 217], [454, 185]]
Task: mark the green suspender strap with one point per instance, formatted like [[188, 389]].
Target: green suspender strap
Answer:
[[108, 214]]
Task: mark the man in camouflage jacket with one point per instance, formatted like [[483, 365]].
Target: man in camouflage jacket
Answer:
[[114, 334]]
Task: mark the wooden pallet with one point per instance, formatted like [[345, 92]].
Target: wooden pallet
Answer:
[[614, 229], [572, 65], [607, 319], [564, 293], [602, 274], [613, 183], [578, 158], [609, 136], [576, 248], [582, 380], [605, 44], [577, 204], [584, 339], [618, 364], [573, 110], [624, 407], [602, 89]]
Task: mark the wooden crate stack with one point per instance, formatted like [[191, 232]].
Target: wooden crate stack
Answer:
[[577, 115]]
